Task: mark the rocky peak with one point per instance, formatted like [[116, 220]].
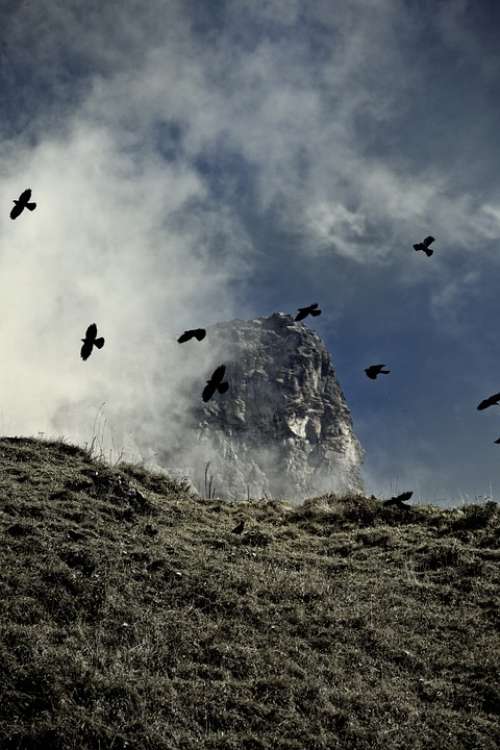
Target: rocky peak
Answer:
[[283, 429]]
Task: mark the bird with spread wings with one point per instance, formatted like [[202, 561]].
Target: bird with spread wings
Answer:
[[309, 310], [90, 341], [425, 246], [196, 333], [22, 202], [215, 383]]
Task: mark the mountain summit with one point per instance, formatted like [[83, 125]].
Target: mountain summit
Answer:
[[286, 429]]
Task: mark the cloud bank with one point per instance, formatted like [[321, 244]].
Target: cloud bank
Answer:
[[189, 162]]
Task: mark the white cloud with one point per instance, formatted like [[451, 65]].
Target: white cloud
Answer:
[[337, 227], [451, 298], [488, 222], [127, 243]]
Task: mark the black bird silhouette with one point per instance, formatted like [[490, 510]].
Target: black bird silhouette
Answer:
[[305, 311], [425, 246], [497, 440], [375, 370], [239, 528], [399, 500], [215, 383], [197, 333], [491, 401], [89, 341], [22, 203]]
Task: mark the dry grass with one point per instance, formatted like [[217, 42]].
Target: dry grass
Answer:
[[133, 618]]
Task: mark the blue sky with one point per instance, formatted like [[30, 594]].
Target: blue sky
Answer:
[[195, 162]]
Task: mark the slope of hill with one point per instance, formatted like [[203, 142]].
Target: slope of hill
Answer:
[[133, 618]]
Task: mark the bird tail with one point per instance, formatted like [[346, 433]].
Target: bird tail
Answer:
[[31, 206], [99, 343], [222, 387], [428, 251]]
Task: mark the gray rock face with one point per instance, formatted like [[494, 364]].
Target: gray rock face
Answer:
[[283, 429]]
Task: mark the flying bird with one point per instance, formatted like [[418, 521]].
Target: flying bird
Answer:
[[22, 203], [89, 341], [375, 370], [497, 440], [239, 528], [399, 501], [491, 401], [215, 383], [197, 333], [305, 311], [425, 246]]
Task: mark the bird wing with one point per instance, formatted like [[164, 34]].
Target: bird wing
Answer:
[[404, 496], [25, 195], [185, 337], [218, 374], [428, 240], [314, 305], [18, 209], [208, 392], [200, 333], [378, 367], [302, 314], [86, 350], [99, 342], [489, 401], [91, 332]]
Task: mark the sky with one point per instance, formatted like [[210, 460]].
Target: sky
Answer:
[[196, 162]]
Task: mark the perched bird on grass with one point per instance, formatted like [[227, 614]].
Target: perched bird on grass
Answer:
[[399, 501], [239, 528], [197, 333], [215, 383], [375, 370], [305, 311], [90, 341], [425, 246], [22, 203], [491, 401]]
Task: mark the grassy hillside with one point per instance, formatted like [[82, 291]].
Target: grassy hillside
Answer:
[[133, 618]]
